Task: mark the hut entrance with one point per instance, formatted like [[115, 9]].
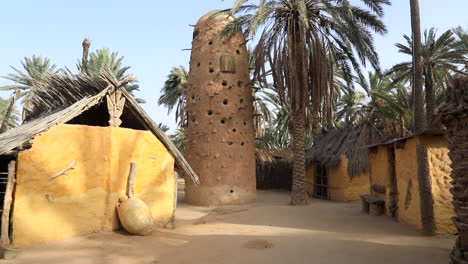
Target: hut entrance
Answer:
[[321, 183], [393, 207]]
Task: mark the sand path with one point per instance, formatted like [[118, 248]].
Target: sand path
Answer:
[[269, 231]]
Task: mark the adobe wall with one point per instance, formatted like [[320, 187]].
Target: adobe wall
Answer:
[[220, 143], [381, 174], [406, 168], [84, 201], [440, 169], [343, 187]]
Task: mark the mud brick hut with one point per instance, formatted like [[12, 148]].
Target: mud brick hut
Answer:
[[274, 168], [220, 141], [412, 175], [338, 164], [68, 164]]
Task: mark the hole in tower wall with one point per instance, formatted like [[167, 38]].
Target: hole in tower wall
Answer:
[[198, 64], [239, 84], [210, 43], [211, 70], [225, 101], [242, 143], [245, 123], [241, 101], [230, 143], [231, 191], [210, 112], [234, 130], [223, 121], [224, 83], [238, 52]]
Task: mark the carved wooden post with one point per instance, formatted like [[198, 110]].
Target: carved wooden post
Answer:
[[455, 118], [115, 105]]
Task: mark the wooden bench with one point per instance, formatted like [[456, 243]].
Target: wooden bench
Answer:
[[372, 205]]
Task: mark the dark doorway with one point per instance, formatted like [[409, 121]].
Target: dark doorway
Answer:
[[321, 183]]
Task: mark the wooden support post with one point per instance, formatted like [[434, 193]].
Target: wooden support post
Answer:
[[131, 180], [5, 236]]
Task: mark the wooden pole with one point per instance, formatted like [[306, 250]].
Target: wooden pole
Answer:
[[5, 236], [131, 180]]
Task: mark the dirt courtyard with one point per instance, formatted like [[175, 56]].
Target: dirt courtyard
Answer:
[[269, 231]]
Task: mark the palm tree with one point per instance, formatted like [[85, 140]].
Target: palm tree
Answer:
[[179, 138], [104, 58], [36, 69], [173, 94], [349, 109], [462, 35], [9, 120], [441, 57], [302, 41]]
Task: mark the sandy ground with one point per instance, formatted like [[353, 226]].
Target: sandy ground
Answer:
[[269, 231]]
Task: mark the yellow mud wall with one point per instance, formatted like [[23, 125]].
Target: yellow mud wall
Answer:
[[406, 168], [343, 187], [310, 179], [84, 200], [439, 168], [381, 173]]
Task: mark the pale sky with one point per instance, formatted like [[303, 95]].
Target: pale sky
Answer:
[[152, 34]]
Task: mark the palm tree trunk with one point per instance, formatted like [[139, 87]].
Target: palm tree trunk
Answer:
[[430, 95], [299, 194], [419, 122], [454, 117], [86, 44]]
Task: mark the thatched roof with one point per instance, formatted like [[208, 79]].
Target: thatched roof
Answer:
[[65, 98], [273, 155], [351, 142]]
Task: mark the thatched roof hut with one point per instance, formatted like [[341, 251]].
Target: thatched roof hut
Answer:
[[79, 99], [80, 138], [350, 142], [274, 168]]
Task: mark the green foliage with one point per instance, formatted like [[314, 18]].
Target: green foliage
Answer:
[[104, 58], [35, 69], [173, 94], [163, 127], [14, 119], [179, 138]]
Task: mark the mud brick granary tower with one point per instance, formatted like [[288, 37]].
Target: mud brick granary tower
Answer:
[[220, 143]]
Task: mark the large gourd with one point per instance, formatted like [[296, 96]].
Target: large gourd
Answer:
[[134, 214]]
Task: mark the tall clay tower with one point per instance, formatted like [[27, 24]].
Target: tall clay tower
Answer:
[[220, 143]]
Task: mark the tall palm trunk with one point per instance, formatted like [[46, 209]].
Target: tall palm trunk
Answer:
[[430, 94], [419, 122], [86, 44], [299, 194], [454, 117]]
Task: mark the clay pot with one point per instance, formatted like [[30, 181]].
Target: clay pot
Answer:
[[135, 216]]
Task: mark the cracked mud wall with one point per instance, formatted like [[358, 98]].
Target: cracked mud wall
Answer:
[[440, 169], [220, 143], [406, 166], [84, 201]]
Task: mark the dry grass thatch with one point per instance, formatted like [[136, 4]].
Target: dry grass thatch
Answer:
[[274, 168], [63, 97], [351, 142]]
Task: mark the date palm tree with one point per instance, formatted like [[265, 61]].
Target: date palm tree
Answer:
[[173, 94], [35, 69], [301, 41], [441, 57], [104, 58], [9, 115]]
